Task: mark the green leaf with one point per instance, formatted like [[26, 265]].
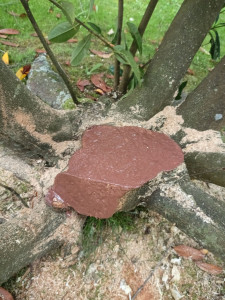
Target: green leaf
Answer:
[[114, 40], [135, 35], [124, 56], [68, 10], [95, 27], [81, 50], [215, 46], [62, 32], [181, 87]]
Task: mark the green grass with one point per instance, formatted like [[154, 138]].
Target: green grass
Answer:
[[95, 230], [105, 16]]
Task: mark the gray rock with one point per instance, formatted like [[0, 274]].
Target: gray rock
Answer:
[[47, 84]]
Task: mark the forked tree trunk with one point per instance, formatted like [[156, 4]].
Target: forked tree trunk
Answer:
[[52, 134]]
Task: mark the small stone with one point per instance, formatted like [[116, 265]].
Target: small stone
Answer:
[[218, 117]]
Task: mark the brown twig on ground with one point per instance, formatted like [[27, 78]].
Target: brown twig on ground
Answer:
[[49, 51]]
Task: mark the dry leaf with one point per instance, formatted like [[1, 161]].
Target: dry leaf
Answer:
[[190, 72], [211, 269], [109, 76], [67, 63], [99, 83], [101, 54], [90, 97], [9, 31], [5, 58], [39, 51], [34, 34], [22, 72], [72, 41], [12, 13], [82, 83], [99, 91], [9, 43], [58, 16], [189, 252], [3, 36]]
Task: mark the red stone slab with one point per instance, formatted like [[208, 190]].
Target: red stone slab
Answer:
[[112, 162]]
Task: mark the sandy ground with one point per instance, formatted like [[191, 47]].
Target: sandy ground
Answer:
[[120, 264]]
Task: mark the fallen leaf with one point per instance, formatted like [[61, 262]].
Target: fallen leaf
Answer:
[[22, 72], [3, 36], [94, 8], [67, 63], [82, 83], [23, 15], [211, 269], [99, 91], [189, 252], [72, 41], [58, 16], [190, 72], [9, 43], [99, 83], [90, 97], [5, 58], [9, 31], [109, 76], [204, 251], [39, 51], [34, 34], [136, 59], [101, 54]]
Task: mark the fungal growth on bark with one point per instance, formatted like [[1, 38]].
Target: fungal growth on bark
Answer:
[[112, 162]]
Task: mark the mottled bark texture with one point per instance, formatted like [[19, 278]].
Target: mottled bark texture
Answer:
[[195, 212], [200, 108], [27, 120], [171, 61]]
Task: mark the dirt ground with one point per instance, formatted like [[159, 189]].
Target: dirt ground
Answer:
[[123, 263]]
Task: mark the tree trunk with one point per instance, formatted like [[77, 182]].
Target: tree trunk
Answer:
[[201, 107], [168, 66]]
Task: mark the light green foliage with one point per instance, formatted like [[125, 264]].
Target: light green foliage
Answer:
[[69, 104]]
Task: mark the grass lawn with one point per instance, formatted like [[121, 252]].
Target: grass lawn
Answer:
[[105, 16]]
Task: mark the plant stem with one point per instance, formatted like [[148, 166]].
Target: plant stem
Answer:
[[133, 48], [118, 42], [49, 51]]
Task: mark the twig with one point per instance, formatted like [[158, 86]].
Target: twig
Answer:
[[15, 193], [109, 45], [166, 253], [118, 42], [49, 51]]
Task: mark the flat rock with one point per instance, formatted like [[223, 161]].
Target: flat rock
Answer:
[[112, 162], [47, 84]]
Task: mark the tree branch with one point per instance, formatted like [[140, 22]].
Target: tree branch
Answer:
[[118, 42], [133, 48], [49, 51], [181, 42], [207, 100]]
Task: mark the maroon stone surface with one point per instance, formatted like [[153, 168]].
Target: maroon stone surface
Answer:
[[111, 162]]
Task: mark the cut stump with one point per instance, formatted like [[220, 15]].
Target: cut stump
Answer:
[[112, 164]]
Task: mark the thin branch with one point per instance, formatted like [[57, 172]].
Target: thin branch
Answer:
[[118, 42], [166, 253], [133, 48], [49, 51], [109, 45]]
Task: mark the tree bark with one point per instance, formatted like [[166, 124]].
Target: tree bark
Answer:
[[118, 42], [200, 108], [27, 120], [196, 213], [182, 40]]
